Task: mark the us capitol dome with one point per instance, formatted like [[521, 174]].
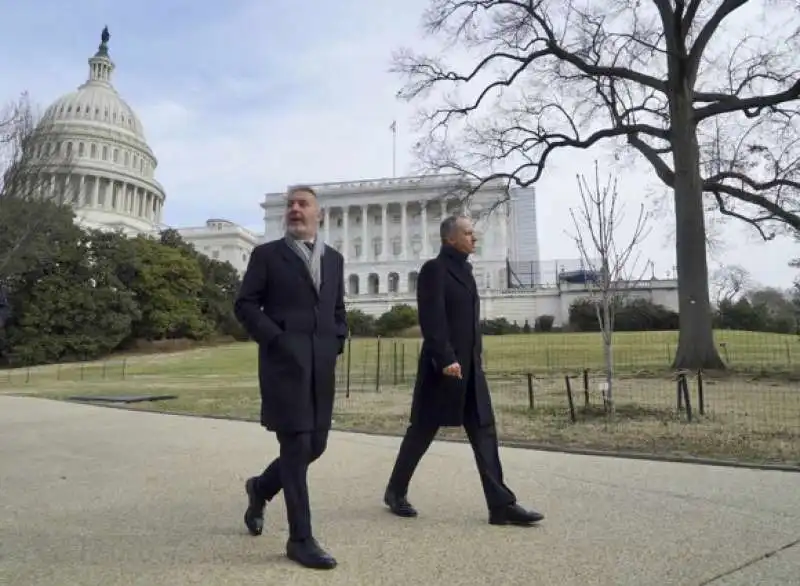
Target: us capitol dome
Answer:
[[100, 160]]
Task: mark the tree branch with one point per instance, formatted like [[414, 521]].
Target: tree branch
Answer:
[[727, 8], [549, 75], [775, 211], [751, 107], [663, 171], [689, 16]]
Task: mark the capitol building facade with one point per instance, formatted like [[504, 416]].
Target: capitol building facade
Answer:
[[386, 228], [93, 147]]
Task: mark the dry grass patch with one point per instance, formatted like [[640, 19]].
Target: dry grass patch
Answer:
[[752, 418]]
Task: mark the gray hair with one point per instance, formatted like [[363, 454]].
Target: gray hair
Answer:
[[301, 188], [449, 227]]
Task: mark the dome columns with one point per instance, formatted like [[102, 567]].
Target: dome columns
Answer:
[[85, 191]]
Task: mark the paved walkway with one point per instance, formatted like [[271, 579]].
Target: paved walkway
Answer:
[[98, 496]]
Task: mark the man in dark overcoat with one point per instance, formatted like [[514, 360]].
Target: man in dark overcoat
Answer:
[[291, 302], [451, 388]]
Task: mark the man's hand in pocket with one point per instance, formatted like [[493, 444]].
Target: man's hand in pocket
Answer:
[[453, 370]]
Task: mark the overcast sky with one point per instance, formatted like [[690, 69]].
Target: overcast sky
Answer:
[[243, 97]]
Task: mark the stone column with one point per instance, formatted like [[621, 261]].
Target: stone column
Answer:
[[443, 203], [364, 233], [96, 192], [404, 229], [346, 230], [52, 186], [504, 229], [80, 198], [424, 221], [327, 234], [384, 231]]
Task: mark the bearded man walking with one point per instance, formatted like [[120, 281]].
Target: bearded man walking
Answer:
[[291, 302]]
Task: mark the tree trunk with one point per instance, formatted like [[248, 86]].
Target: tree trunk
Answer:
[[609, 360], [696, 348]]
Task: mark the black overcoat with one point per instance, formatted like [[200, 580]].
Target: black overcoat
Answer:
[[299, 332], [449, 317]]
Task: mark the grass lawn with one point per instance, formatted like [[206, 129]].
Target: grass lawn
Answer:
[[746, 416]]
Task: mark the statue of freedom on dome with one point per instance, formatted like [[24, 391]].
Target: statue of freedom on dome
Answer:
[[103, 48]]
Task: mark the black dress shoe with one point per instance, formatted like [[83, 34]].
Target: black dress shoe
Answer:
[[513, 515], [254, 515], [399, 505], [308, 553]]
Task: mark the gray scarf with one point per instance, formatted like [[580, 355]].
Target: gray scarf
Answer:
[[312, 258]]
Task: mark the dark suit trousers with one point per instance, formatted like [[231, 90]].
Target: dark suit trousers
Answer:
[[483, 439], [288, 472]]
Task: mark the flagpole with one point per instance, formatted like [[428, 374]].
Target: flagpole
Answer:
[[394, 148]]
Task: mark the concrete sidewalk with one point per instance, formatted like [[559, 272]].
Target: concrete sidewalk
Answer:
[[97, 496]]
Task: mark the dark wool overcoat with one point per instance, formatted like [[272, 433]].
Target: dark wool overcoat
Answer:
[[300, 333], [449, 316]]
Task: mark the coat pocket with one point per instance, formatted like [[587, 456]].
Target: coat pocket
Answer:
[[280, 350]]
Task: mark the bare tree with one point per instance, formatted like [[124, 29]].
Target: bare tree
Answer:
[[32, 168], [728, 282], [710, 104], [614, 267]]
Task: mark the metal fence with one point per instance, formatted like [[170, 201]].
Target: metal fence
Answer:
[[546, 389]]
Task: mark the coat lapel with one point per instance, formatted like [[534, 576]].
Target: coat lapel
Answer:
[[290, 256]]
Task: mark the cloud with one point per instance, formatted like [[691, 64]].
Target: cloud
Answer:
[[242, 98]]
